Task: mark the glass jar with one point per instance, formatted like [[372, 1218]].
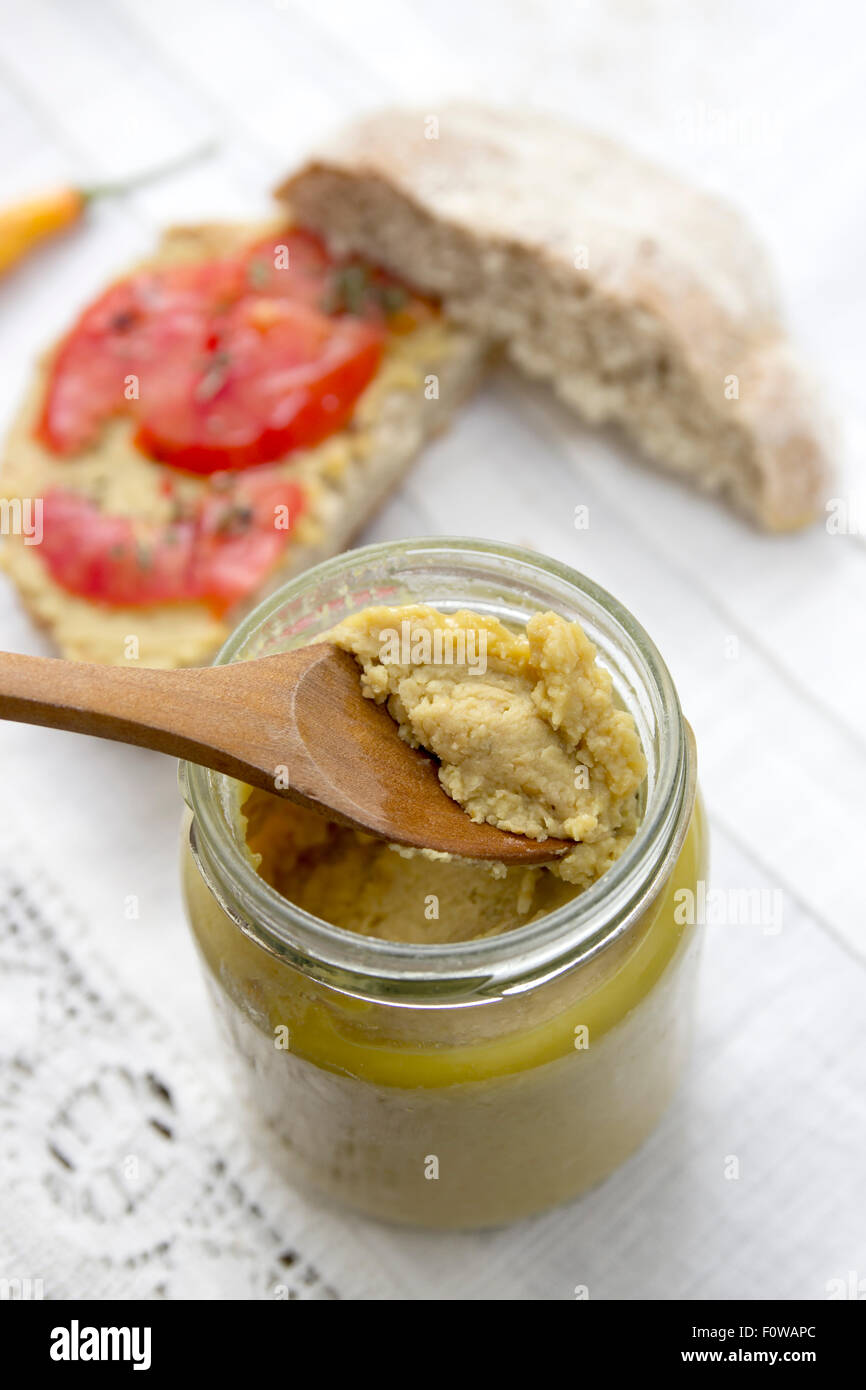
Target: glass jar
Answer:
[[467, 1084]]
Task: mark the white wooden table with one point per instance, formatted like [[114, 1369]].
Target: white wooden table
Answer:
[[766, 638]]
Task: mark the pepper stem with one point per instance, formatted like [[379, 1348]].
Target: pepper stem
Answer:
[[118, 187]]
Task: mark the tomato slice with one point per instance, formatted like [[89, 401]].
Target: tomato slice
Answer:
[[279, 377], [223, 367], [152, 321], [223, 364], [219, 552], [293, 264]]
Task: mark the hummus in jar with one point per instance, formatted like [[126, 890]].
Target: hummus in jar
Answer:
[[529, 737], [440, 1041]]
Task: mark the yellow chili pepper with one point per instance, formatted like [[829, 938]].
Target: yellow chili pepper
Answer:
[[25, 225]]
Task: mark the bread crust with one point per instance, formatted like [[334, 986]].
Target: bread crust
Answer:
[[643, 301]]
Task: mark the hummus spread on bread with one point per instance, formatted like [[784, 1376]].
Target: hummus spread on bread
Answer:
[[337, 483]]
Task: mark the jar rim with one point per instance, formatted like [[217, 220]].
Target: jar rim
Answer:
[[484, 967]]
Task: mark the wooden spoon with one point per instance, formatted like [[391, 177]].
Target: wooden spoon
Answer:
[[298, 717]]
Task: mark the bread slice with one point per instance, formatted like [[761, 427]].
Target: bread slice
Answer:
[[345, 480], [643, 301]]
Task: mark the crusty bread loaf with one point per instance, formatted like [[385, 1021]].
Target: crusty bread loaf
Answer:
[[643, 301], [345, 480]]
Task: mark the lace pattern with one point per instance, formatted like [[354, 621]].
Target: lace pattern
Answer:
[[124, 1178]]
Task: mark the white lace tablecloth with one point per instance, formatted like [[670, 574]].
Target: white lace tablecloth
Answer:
[[127, 1167]]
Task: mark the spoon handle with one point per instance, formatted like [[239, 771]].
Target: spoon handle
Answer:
[[187, 714]]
